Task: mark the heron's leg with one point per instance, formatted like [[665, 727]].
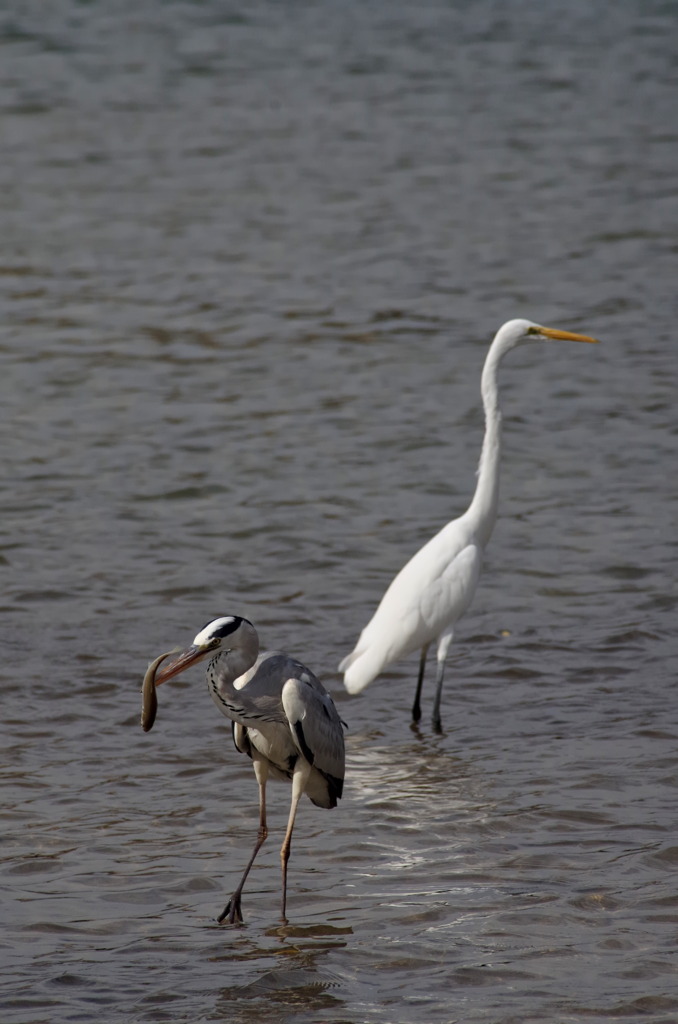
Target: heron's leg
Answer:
[[443, 646], [416, 707], [232, 909], [302, 771]]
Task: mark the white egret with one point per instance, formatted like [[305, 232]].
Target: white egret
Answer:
[[283, 719], [434, 589]]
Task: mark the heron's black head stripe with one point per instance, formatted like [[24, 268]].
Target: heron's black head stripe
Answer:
[[226, 624]]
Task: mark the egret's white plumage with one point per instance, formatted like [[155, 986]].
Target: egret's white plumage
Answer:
[[283, 718], [434, 589]]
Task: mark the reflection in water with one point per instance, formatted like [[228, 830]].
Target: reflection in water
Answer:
[[276, 992], [300, 983]]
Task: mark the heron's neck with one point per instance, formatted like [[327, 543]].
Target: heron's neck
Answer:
[[483, 508], [227, 666]]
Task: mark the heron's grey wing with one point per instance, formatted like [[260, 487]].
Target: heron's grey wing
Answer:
[[315, 726]]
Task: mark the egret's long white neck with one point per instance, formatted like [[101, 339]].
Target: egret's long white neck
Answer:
[[483, 509]]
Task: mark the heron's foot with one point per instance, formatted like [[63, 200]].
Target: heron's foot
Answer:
[[416, 713], [232, 912], [437, 725]]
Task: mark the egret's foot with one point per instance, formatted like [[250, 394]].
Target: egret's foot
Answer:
[[414, 727], [416, 713], [437, 725], [232, 912]]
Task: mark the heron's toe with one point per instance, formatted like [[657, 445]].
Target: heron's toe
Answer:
[[232, 912]]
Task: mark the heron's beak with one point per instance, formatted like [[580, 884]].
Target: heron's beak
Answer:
[[182, 661], [550, 332]]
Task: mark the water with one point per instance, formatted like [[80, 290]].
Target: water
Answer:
[[252, 258]]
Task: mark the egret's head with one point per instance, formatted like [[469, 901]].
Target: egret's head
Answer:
[[220, 635]]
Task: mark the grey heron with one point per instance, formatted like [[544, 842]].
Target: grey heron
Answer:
[[282, 718], [436, 587]]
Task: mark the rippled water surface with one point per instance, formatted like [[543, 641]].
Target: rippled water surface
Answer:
[[252, 258]]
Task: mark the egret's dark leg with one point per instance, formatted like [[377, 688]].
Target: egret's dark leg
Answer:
[[416, 707], [435, 717], [443, 647], [232, 910], [299, 780]]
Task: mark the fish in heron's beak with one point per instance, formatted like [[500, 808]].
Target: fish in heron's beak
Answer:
[[149, 700]]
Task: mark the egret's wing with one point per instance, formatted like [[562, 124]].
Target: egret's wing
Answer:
[[427, 596], [449, 595], [315, 726]]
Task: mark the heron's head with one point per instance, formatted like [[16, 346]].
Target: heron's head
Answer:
[[522, 332], [218, 636]]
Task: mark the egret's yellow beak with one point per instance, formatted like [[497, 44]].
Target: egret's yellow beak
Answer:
[[551, 332]]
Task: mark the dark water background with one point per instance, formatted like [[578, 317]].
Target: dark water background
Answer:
[[251, 259]]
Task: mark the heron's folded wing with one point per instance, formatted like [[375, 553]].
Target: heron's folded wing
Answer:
[[315, 724]]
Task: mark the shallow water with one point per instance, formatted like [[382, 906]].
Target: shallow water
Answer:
[[252, 259]]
